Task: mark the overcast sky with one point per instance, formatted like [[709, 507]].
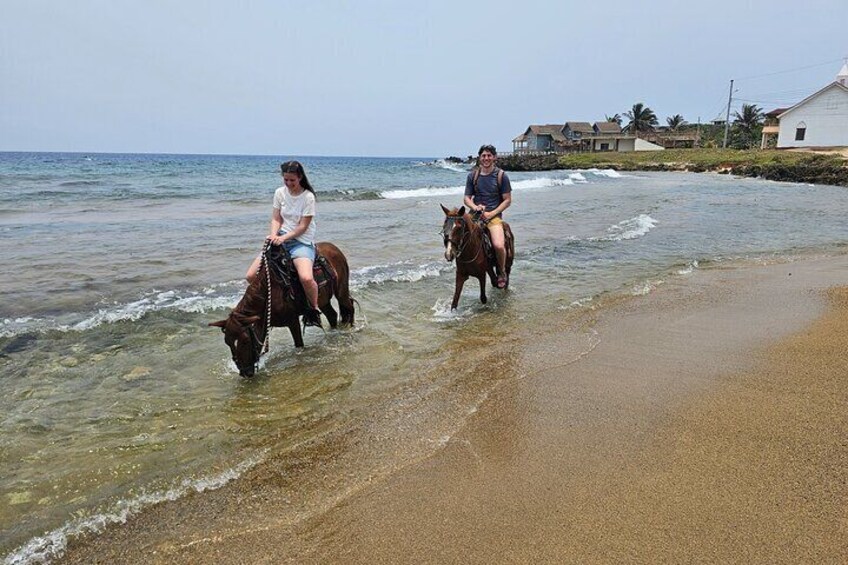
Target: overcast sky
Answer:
[[393, 78]]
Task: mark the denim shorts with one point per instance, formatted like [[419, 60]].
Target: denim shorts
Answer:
[[298, 249]]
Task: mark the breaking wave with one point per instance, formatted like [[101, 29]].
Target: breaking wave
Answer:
[[52, 545]]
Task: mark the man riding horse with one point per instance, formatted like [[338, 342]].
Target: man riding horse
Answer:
[[488, 191]]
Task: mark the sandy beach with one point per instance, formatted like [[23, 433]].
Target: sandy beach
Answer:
[[702, 422]]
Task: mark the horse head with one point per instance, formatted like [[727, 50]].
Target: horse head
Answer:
[[241, 336], [452, 231]]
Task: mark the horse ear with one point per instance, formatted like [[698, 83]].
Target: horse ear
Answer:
[[446, 211], [461, 211], [219, 324], [250, 320]]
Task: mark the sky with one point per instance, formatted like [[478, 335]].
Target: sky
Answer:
[[388, 78]]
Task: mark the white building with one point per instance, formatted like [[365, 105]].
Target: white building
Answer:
[[820, 120]]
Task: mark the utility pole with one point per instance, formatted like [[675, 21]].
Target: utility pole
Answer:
[[727, 118], [698, 135]]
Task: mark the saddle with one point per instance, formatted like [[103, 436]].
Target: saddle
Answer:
[[282, 268], [488, 249]]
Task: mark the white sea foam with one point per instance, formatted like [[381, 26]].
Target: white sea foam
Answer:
[[527, 184], [609, 173], [579, 303], [645, 288], [444, 164], [214, 297], [541, 183], [689, 268], [424, 192], [442, 312], [52, 545], [631, 229], [578, 177], [404, 271], [206, 300]]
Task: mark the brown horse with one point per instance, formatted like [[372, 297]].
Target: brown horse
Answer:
[[463, 238], [245, 329]]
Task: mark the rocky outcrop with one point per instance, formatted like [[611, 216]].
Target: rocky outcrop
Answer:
[[817, 170]]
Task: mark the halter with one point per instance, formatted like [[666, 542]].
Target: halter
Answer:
[[261, 348], [463, 240]]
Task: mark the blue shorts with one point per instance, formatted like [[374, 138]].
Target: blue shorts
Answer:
[[298, 249]]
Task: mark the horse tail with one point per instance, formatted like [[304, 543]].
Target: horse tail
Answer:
[[341, 284]]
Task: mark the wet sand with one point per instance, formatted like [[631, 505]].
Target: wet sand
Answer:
[[704, 422]]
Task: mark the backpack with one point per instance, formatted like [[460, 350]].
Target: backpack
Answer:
[[477, 176]]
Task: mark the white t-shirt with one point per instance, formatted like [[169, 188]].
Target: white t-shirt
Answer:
[[293, 208]]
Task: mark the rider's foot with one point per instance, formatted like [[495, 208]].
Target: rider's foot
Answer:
[[502, 282], [312, 317]]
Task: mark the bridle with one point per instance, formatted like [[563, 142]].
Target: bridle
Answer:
[[260, 348], [460, 245]]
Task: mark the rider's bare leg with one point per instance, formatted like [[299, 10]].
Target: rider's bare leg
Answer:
[[253, 269], [496, 233], [310, 287]]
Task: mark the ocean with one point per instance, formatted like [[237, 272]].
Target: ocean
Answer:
[[115, 395]]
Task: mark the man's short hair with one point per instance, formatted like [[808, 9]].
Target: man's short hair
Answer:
[[490, 148]]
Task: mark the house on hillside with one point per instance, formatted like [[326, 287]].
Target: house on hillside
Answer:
[[579, 137], [819, 120], [540, 138], [606, 136]]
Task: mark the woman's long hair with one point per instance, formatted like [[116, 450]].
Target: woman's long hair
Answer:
[[296, 168]]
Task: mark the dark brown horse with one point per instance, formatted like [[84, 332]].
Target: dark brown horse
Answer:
[[245, 329], [463, 238]]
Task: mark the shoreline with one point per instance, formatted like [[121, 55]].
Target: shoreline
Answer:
[[573, 460], [779, 165]]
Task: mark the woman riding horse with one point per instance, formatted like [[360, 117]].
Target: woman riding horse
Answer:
[[293, 226]]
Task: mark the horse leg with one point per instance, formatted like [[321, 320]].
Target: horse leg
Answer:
[[510, 251], [482, 279], [460, 281], [345, 302], [493, 276], [330, 312], [294, 328]]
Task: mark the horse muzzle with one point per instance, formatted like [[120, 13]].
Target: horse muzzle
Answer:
[[449, 252]]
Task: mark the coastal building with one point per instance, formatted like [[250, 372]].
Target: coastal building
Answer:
[[580, 137], [819, 120], [771, 128], [540, 139]]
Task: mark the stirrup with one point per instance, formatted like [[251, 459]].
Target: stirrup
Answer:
[[312, 317]]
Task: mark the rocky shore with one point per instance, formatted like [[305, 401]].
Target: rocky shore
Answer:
[[775, 165]]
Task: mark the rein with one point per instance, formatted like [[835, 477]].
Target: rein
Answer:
[[267, 298], [463, 242], [261, 348]]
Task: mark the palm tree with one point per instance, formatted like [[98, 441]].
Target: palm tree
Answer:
[[615, 118], [675, 121], [745, 122], [641, 118]]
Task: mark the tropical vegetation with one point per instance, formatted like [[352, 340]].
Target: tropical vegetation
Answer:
[[641, 118], [746, 126], [675, 122]]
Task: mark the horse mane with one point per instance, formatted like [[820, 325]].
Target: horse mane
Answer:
[[470, 224], [253, 301]]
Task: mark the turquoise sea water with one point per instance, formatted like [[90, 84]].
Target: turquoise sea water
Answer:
[[114, 394]]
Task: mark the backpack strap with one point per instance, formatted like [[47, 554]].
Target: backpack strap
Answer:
[[477, 176]]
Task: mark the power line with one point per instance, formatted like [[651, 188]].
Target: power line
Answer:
[[793, 70]]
